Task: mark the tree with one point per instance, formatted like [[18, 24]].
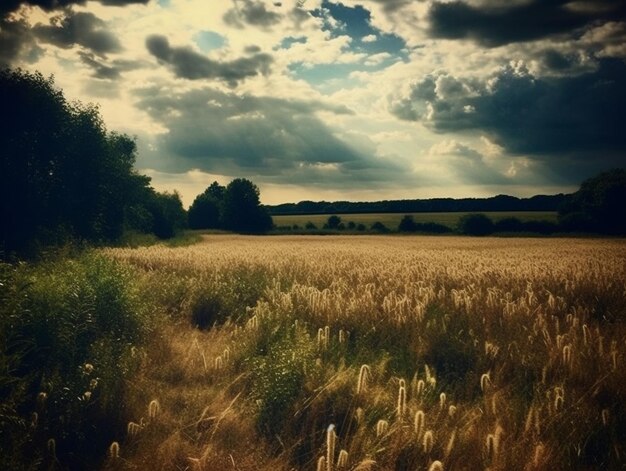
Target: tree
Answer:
[[242, 210], [407, 224], [62, 174], [598, 205], [475, 224], [168, 214], [204, 212], [379, 227], [333, 222]]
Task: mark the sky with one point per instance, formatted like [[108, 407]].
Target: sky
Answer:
[[356, 100]]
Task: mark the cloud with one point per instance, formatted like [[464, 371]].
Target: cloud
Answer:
[[606, 40], [8, 6], [251, 12], [492, 23], [83, 29], [107, 71], [555, 119], [189, 64], [16, 41], [277, 139], [370, 38], [392, 6], [467, 163]]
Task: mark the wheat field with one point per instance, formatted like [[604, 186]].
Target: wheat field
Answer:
[[382, 353]]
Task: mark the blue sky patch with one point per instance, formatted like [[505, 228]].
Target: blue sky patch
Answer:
[[209, 40], [355, 22], [328, 78]]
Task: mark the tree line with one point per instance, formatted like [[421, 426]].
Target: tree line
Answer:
[[65, 177], [235, 207], [432, 205]]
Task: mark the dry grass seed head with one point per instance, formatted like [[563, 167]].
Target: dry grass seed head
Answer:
[[428, 441], [436, 466], [342, 459], [382, 426]]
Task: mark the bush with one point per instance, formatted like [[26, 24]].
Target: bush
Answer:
[[379, 227], [206, 311], [509, 225], [432, 228], [475, 224], [333, 222], [70, 330], [598, 205], [407, 224], [310, 226]]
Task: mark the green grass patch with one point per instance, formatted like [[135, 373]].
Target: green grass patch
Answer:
[[70, 331], [392, 220]]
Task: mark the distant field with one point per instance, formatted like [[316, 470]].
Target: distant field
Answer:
[[392, 220]]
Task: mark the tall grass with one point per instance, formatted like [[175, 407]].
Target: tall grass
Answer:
[[477, 355], [70, 330]]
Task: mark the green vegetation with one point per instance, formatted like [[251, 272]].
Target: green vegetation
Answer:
[[392, 220], [598, 206], [65, 177], [235, 207], [70, 331]]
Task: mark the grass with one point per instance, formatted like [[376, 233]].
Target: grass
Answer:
[[139, 239], [391, 220], [295, 352], [510, 355], [70, 330]]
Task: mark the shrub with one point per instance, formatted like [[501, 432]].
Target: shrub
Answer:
[[379, 227], [475, 224], [310, 226], [407, 224], [509, 225], [432, 228], [333, 222], [70, 329], [206, 311]]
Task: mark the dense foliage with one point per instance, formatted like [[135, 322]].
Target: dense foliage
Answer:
[[69, 332], [236, 207], [64, 176], [496, 203], [599, 205]]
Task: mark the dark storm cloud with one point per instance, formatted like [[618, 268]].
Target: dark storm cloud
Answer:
[[189, 64], [107, 70], [245, 135], [84, 29], [497, 23], [251, 12], [8, 6], [550, 118], [391, 6], [16, 41]]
